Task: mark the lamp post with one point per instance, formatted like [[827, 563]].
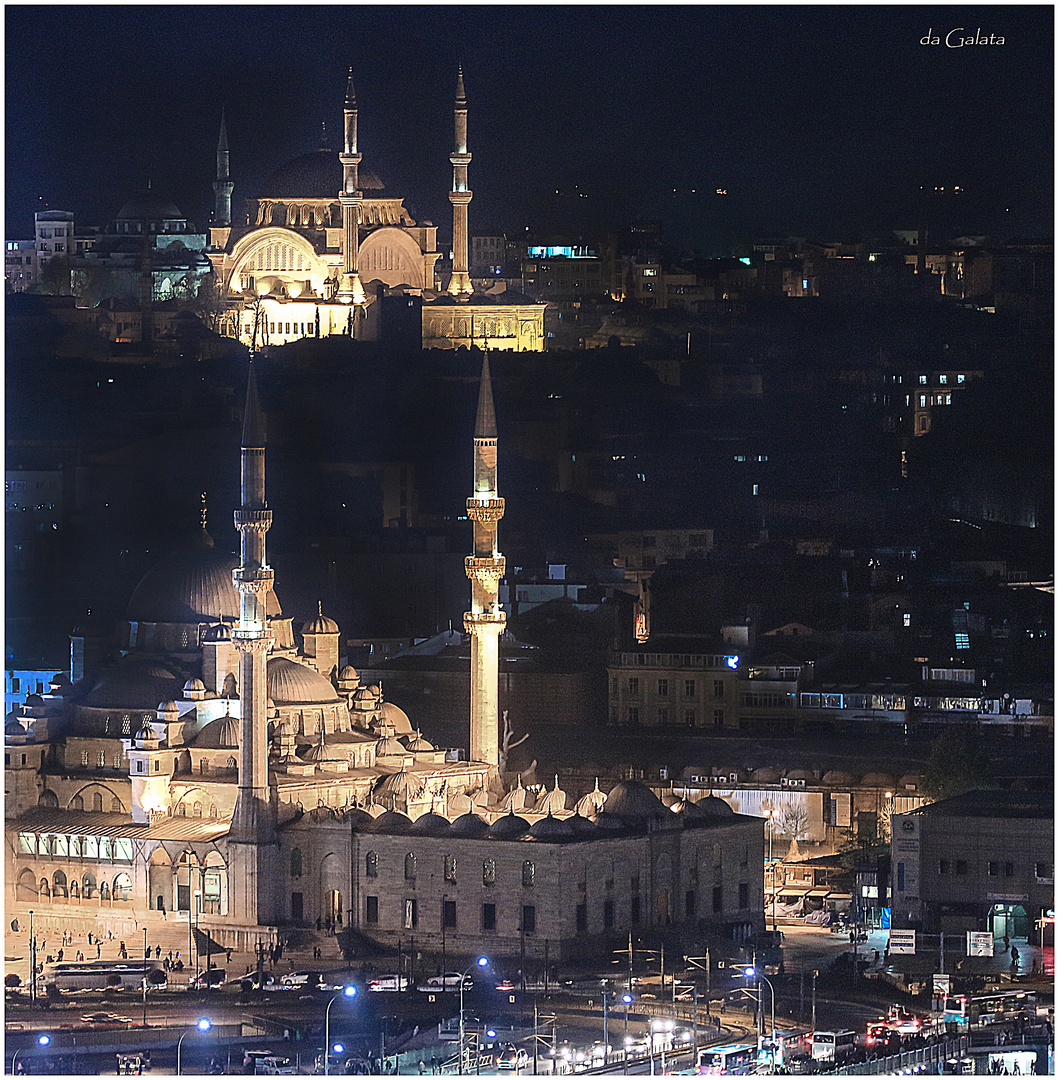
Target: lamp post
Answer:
[[481, 962], [346, 992], [197, 904], [752, 973], [626, 1000], [202, 1025], [32, 965], [42, 1040], [772, 871]]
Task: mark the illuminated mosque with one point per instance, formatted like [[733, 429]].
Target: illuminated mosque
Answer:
[[325, 240]]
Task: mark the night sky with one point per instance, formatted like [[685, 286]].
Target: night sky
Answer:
[[819, 121]]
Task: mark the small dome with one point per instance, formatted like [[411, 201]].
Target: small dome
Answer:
[[290, 683], [220, 734], [711, 806], [878, 779], [402, 784], [581, 825], [516, 799], [608, 822], [551, 828], [391, 821], [375, 690], [194, 685], [321, 624], [12, 728], [167, 706], [766, 776], [390, 713], [418, 745], [552, 802], [631, 799], [508, 827], [34, 701], [589, 805], [802, 774], [357, 817], [218, 632], [836, 778], [469, 825], [388, 747], [348, 673], [430, 825]]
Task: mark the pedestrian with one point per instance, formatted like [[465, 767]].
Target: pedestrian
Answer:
[[1014, 957], [1007, 943], [61, 957], [99, 949], [14, 925], [161, 908], [317, 923], [158, 952], [89, 937], [122, 951], [229, 952]]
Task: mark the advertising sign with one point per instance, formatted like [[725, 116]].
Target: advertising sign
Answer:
[[902, 942], [979, 943], [943, 984]]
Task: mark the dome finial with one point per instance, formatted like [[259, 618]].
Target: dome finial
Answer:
[[202, 511]]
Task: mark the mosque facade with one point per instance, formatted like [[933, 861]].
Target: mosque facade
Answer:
[[324, 241]]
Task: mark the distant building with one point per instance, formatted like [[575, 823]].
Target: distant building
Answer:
[[20, 264]]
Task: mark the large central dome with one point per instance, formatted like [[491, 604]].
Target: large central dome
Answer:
[[317, 175], [190, 587]]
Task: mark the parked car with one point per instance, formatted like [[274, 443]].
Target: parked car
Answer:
[[390, 983], [451, 980], [213, 977], [106, 1019], [253, 980]]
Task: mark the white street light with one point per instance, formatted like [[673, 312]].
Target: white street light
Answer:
[[346, 992], [200, 1025], [482, 961]]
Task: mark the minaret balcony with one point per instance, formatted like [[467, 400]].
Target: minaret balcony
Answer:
[[485, 509], [248, 580], [253, 520], [486, 570], [484, 621]]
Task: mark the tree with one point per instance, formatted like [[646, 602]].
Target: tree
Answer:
[[55, 276], [958, 763]]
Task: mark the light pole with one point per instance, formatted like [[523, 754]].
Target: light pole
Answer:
[[197, 904], [752, 973], [203, 1025], [42, 1040], [772, 872], [346, 992], [481, 962], [32, 964]]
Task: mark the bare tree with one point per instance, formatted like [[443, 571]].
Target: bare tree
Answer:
[[506, 745], [793, 820]]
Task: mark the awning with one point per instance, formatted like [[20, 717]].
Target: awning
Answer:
[[839, 896], [44, 820], [818, 892], [792, 892]]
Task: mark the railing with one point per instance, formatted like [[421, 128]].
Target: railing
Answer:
[[927, 1055]]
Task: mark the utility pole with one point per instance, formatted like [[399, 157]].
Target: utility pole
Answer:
[[32, 963], [815, 973], [694, 1026]]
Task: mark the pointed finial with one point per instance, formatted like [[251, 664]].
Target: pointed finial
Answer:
[[253, 421], [323, 134], [202, 511], [222, 140], [556, 788], [485, 421], [461, 96], [351, 96], [320, 608]]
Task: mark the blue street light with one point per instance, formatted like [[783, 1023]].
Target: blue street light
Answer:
[[202, 1025], [753, 973], [346, 992], [337, 1048], [482, 961], [43, 1040]]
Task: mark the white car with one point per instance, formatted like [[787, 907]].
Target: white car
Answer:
[[512, 1059], [389, 983], [451, 980]]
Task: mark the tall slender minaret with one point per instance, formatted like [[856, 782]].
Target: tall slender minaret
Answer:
[[485, 621], [222, 186], [253, 828], [350, 198], [460, 196]]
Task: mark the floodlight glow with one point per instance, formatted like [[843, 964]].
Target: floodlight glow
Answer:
[[349, 991], [43, 1040], [204, 1024], [627, 998], [491, 1033], [750, 972], [483, 961], [337, 1048], [732, 661]]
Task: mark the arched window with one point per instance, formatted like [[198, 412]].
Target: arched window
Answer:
[[196, 810], [371, 864], [88, 886], [489, 872], [115, 805], [77, 803], [296, 863], [204, 766], [450, 869], [101, 759], [213, 810], [410, 867], [123, 887], [528, 873], [97, 801], [232, 763], [182, 810]]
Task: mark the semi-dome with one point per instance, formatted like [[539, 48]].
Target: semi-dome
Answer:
[[316, 175], [290, 683], [508, 827], [552, 829], [220, 734], [191, 587], [632, 800], [133, 683], [391, 821], [469, 825], [430, 825]]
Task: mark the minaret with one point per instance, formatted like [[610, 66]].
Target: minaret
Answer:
[[485, 621], [222, 186], [350, 198], [460, 196], [253, 822]]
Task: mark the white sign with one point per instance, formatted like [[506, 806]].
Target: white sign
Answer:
[[943, 984], [902, 942], [979, 943]]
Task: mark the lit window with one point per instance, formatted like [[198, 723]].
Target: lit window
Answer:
[[922, 380], [943, 379], [960, 378]]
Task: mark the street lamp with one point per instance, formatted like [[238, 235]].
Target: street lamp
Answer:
[[482, 961], [346, 992], [626, 1000], [753, 973], [42, 1040], [772, 871], [202, 1025]]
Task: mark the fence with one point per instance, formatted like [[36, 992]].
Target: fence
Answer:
[[954, 1047]]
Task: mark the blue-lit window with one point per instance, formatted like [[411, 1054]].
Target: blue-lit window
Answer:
[[963, 641]]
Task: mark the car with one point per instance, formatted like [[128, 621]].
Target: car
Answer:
[[213, 977], [106, 1019], [450, 980], [506, 985], [899, 1019], [252, 980], [299, 980], [391, 983], [511, 1059]]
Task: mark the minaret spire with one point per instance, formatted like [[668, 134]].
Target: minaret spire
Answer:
[[485, 621], [253, 827], [222, 186], [350, 199], [460, 197]]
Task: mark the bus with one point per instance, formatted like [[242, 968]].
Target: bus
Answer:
[[102, 975], [966, 1010], [833, 1046], [734, 1059]]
